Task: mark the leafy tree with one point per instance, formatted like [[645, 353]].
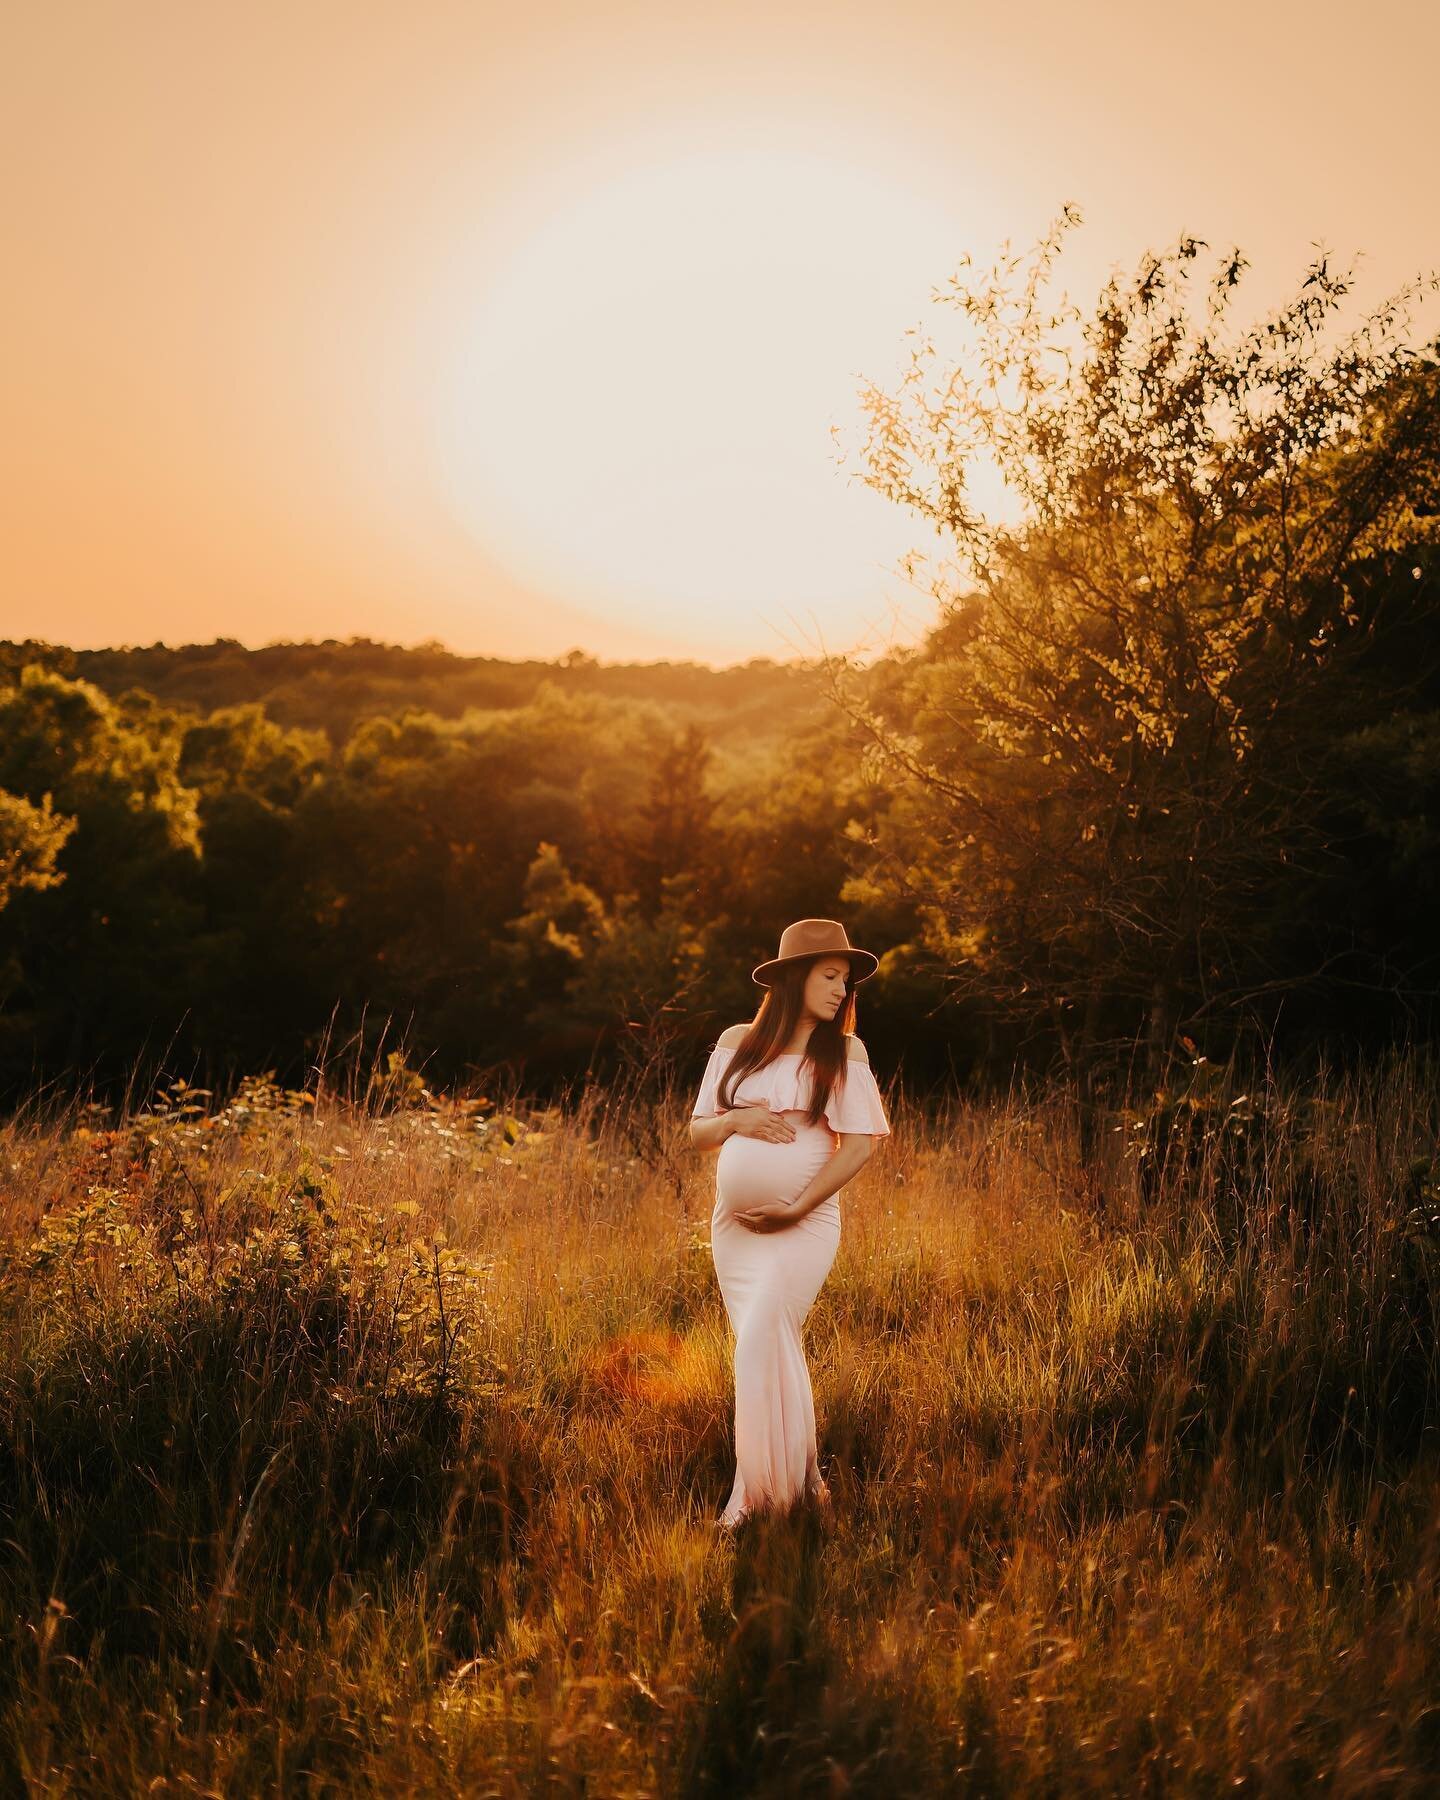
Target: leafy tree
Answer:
[[670, 834], [259, 968], [240, 750], [422, 840], [593, 972], [1107, 763], [31, 838], [101, 962]]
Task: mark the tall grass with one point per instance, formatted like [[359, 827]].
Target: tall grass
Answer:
[[373, 1444]]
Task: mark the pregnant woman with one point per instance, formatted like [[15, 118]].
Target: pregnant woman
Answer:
[[791, 1104]]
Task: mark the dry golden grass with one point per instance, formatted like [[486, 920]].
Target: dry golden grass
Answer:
[[377, 1449]]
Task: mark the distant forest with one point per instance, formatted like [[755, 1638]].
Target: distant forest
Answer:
[[331, 686], [506, 864], [1160, 788]]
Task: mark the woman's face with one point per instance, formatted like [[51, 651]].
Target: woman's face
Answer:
[[824, 992]]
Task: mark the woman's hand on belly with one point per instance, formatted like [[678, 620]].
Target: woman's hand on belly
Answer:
[[758, 1121], [770, 1215]]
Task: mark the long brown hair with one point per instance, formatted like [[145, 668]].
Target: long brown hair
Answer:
[[826, 1053]]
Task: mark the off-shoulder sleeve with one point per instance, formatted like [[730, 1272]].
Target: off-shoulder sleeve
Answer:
[[857, 1105], [708, 1103]]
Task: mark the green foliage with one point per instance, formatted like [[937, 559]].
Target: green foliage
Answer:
[[31, 838], [336, 684], [585, 966], [340, 889], [91, 956], [240, 750], [1112, 762], [112, 763]]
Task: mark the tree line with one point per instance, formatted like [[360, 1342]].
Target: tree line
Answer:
[[1159, 783]]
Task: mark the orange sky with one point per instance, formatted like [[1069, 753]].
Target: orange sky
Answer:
[[525, 328]]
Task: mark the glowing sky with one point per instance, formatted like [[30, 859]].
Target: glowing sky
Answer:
[[525, 328]]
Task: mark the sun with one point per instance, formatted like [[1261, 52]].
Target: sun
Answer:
[[638, 413]]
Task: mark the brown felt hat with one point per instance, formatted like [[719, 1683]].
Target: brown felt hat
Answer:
[[817, 937]]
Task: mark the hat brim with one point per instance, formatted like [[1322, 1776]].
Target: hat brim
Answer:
[[864, 963]]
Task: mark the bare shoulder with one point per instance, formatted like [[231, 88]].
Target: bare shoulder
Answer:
[[855, 1051], [730, 1037]]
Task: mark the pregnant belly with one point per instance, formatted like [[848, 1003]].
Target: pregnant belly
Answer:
[[750, 1170]]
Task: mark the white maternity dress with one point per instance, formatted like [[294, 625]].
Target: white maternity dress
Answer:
[[769, 1279]]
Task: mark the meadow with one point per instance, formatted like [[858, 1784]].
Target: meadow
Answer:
[[369, 1440]]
